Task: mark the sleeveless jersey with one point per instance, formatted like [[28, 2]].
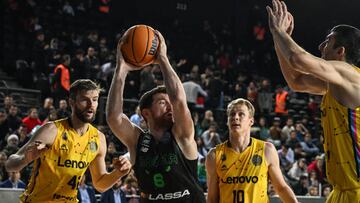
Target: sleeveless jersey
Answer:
[[56, 174], [163, 172], [341, 127], [243, 177]]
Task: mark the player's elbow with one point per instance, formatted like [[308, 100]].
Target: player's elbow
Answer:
[[113, 119], [100, 188], [9, 166], [298, 60]]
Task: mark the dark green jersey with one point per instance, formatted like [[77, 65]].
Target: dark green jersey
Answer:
[[163, 172]]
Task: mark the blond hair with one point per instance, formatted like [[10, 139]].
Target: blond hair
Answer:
[[241, 101]]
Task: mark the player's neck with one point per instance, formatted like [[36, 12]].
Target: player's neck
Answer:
[[79, 126], [157, 133], [239, 142]]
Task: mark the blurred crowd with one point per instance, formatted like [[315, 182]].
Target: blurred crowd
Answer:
[[47, 39]]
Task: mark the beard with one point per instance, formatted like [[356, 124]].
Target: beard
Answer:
[[82, 117], [164, 122]]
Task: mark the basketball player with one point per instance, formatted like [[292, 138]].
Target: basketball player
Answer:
[[238, 169], [64, 149], [336, 76], [165, 156]]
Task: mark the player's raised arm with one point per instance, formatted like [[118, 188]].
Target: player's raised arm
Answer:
[[119, 123]]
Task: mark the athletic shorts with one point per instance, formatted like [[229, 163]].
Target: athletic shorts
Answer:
[[344, 196]]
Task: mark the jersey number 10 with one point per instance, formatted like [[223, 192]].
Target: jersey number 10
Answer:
[[238, 196]]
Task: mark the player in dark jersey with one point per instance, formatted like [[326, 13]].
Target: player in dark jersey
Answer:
[[164, 157]]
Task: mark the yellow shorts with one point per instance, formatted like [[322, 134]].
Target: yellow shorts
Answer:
[[344, 196]]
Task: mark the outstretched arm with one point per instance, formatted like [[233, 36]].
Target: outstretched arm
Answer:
[[297, 80], [102, 180], [119, 123], [275, 175], [39, 143], [183, 127]]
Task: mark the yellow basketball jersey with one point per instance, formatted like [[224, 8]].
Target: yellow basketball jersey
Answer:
[[341, 127], [56, 174], [243, 177]]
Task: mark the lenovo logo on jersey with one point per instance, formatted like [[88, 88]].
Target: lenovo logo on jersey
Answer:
[[72, 163], [168, 196], [240, 179]]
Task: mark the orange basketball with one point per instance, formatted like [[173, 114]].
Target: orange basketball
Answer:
[[140, 45]]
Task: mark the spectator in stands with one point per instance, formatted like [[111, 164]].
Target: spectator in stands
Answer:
[[13, 181], [63, 110], [301, 130], [86, 193], [286, 156], [4, 126], [215, 90], [211, 137], [92, 64], [111, 150], [51, 117], [308, 146], [129, 187], [8, 101], [14, 120], [313, 178], [252, 93], [281, 100], [201, 172], [12, 145], [265, 98], [197, 126], [114, 194], [299, 152], [208, 118], [264, 133], [285, 131], [92, 40], [45, 109], [292, 141], [32, 119], [298, 169], [77, 65], [61, 82], [271, 190], [275, 131], [68, 9], [147, 79], [313, 191], [22, 133], [326, 189], [136, 117], [39, 53], [318, 166], [192, 90], [53, 55], [301, 187], [3, 172]]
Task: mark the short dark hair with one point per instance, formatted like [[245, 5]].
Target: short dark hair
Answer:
[[80, 85], [348, 37], [147, 99]]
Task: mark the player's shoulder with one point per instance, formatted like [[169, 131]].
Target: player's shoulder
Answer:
[[269, 148]]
